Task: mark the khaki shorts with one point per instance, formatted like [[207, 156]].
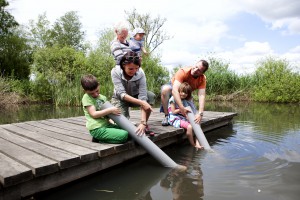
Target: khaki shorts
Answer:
[[124, 106]]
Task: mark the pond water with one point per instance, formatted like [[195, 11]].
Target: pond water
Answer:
[[257, 157], [21, 113]]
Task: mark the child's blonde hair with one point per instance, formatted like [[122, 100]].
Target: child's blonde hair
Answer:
[[187, 89]]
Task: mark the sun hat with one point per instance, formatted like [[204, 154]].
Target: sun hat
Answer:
[[138, 30]]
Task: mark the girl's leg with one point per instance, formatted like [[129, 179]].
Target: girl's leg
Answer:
[[189, 134], [198, 145]]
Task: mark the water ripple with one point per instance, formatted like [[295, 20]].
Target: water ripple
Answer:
[[250, 158]]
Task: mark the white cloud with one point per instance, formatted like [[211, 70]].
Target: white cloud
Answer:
[[242, 60], [279, 13], [196, 37], [295, 50], [293, 55]]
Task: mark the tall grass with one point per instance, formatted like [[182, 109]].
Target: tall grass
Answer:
[[67, 94]]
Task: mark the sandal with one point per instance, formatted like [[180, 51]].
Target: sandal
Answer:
[[149, 132]]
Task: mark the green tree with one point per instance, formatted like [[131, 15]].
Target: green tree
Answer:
[[7, 21], [15, 54], [57, 70], [105, 37], [67, 31], [56, 63], [40, 32], [155, 34]]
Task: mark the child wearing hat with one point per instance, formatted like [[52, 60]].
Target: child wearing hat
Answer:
[[136, 43]]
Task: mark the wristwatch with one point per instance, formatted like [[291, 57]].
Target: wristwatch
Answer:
[[201, 114], [144, 123]]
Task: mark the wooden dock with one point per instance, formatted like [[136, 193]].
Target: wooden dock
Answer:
[[39, 155]]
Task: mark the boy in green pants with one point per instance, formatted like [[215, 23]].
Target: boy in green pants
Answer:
[[97, 121]]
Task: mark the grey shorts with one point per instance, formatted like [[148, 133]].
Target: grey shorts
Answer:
[[124, 106]]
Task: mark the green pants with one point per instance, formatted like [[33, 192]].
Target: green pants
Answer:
[[110, 134]]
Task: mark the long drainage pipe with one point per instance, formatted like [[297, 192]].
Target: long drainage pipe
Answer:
[[144, 141]]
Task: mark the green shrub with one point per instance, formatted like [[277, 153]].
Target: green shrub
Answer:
[[221, 80], [275, 82]]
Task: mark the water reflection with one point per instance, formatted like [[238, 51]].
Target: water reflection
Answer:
[[144, 179], [21, 113], [188, 185]]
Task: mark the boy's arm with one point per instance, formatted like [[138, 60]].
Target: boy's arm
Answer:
[[101, 113]]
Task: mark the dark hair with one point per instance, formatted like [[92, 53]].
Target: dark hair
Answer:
[[130, 57], [89, 82], [187, 89], [204, 64]]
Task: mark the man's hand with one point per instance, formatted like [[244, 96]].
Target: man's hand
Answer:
[[197, 118]]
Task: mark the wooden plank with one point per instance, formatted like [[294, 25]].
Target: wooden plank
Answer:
[[104, 149], [58, 130], [72, 122], [38, 164], [12, 172], [80, 122], [66, 125], [63, 158], [85, 154], [75, 119]]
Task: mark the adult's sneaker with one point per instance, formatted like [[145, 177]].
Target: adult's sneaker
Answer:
[[165, 121]]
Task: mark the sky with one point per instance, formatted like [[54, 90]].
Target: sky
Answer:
[[238, 32]]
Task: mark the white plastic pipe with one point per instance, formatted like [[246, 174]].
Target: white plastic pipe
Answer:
[[144, 141], [197, 130]]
